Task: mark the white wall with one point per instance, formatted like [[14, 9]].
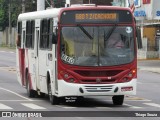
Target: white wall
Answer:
[[156, 6]]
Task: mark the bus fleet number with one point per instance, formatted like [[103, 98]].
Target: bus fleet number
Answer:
[[67, 59]]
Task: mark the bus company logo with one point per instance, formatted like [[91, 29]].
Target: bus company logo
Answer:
[[6, 114], [98, 80]]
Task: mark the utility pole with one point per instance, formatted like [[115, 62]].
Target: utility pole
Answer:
[[10, 27], [23, 6], [52, 3], [40, 5]]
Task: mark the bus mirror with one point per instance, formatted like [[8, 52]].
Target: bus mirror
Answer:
[[139, 39]]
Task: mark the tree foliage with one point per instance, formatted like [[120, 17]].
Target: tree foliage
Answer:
[[30, 5], [3, 16], [15, 10]]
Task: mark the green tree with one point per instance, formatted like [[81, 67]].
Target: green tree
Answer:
[[30, 5], [3, 16], [15, 10]]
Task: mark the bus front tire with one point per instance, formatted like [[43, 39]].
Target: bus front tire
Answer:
[[118, 99], [31, 93], [53, 99]]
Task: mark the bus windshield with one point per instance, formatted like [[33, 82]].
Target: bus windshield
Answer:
[[97, 45]]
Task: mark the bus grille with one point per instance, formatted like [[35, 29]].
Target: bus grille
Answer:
[[99, 88], [103, 73], [93, 81]]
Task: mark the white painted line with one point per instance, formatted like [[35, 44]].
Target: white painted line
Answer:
[[69, 107], [61, 106], [15, 94], [7, 52], [103, 107], [139, 82], [2, 51], [11, 52], [2, 106], [139, 100], [32, 106], [152, 104], [131, 106], [145, 100], [17, 100]]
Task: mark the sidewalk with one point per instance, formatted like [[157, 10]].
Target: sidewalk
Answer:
[[149, 65], [8, 49]]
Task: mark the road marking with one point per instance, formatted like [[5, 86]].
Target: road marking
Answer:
[[66, 107], [134, 98], [103, 107], [10, 69], [7, 52], [131, 106], [69, 107], [18, 100], [15, 94], [2, 106], [139, 82], [152, 104], [145, 100], [32, 106]]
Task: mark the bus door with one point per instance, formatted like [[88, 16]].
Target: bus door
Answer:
[[21, 52], [37, 38], [22, 55]]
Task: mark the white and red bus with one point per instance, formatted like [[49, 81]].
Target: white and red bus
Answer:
[[78, 51]]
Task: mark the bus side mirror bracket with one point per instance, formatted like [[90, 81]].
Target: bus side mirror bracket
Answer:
[[138, 36], [55, 36], [54, 39]]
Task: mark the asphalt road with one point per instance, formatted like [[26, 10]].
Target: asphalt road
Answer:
[[13, 97]]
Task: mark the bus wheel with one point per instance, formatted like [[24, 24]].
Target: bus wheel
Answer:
[[31, 93], [42, 95], [53, 99], [118, 99]]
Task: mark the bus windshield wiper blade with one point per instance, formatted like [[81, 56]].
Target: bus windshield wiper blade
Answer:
[[106, 37], [85, 31]]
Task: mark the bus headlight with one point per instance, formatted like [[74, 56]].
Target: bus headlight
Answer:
[[125, 79], [71, 80], [128, 77], [67, 77]]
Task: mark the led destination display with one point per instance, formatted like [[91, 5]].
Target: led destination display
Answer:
[[96, 16]]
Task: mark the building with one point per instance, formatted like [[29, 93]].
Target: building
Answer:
[[98, 2], [147, 14]]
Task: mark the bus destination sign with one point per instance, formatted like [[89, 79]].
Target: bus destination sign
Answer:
[[96, 17]]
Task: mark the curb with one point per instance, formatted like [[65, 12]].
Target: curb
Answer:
[[155, 70], [7, 49]]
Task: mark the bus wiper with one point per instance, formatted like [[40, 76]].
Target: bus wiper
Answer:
[[106, 37], [85, 31]]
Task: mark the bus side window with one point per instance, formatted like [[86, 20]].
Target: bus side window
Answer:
[[32, 33], [19, 34], [52, 34], [45, 40], [28, 34]]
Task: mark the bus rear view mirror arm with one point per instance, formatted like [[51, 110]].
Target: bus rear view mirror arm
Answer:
[[54, 39]]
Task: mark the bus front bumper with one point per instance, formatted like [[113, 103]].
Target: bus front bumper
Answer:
[[72, 89]]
